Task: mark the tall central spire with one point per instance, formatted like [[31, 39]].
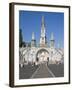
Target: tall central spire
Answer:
[[43, 33], [43, 27], [43, 23]]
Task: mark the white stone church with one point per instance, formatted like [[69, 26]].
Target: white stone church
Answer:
[[43, 53]]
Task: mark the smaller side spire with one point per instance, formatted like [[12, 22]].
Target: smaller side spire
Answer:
[[52, 36], [52, 41], [33, 41], [33, 36]]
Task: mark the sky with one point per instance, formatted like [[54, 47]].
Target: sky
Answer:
[[30, 21]]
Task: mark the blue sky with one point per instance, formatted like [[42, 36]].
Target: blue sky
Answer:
[[30, 21]]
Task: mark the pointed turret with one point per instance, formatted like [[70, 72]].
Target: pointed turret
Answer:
[[52, 41], [33, 36], [33, 41], [52, 36]]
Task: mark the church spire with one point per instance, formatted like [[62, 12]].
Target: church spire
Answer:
[[33, 41], [43, 22], [52, 41], [52, 36], [33, 36], [43, 33]]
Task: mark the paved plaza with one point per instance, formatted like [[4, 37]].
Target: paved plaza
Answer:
[[41, 71]]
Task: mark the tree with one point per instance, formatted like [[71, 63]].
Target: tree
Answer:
[[20, 38]]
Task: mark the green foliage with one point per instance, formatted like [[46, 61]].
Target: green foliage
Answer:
[[20, 38]]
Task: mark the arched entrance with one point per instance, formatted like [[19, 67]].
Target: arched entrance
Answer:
[[42, 56]]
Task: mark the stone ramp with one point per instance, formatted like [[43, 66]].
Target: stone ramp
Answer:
[[42, 72]]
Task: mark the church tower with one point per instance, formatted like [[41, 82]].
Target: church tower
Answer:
[[33, 41], [43, 40], [52, 41]]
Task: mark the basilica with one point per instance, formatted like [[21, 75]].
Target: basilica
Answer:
[[43, 53]]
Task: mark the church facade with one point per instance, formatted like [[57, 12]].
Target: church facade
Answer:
[[43, 53]]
